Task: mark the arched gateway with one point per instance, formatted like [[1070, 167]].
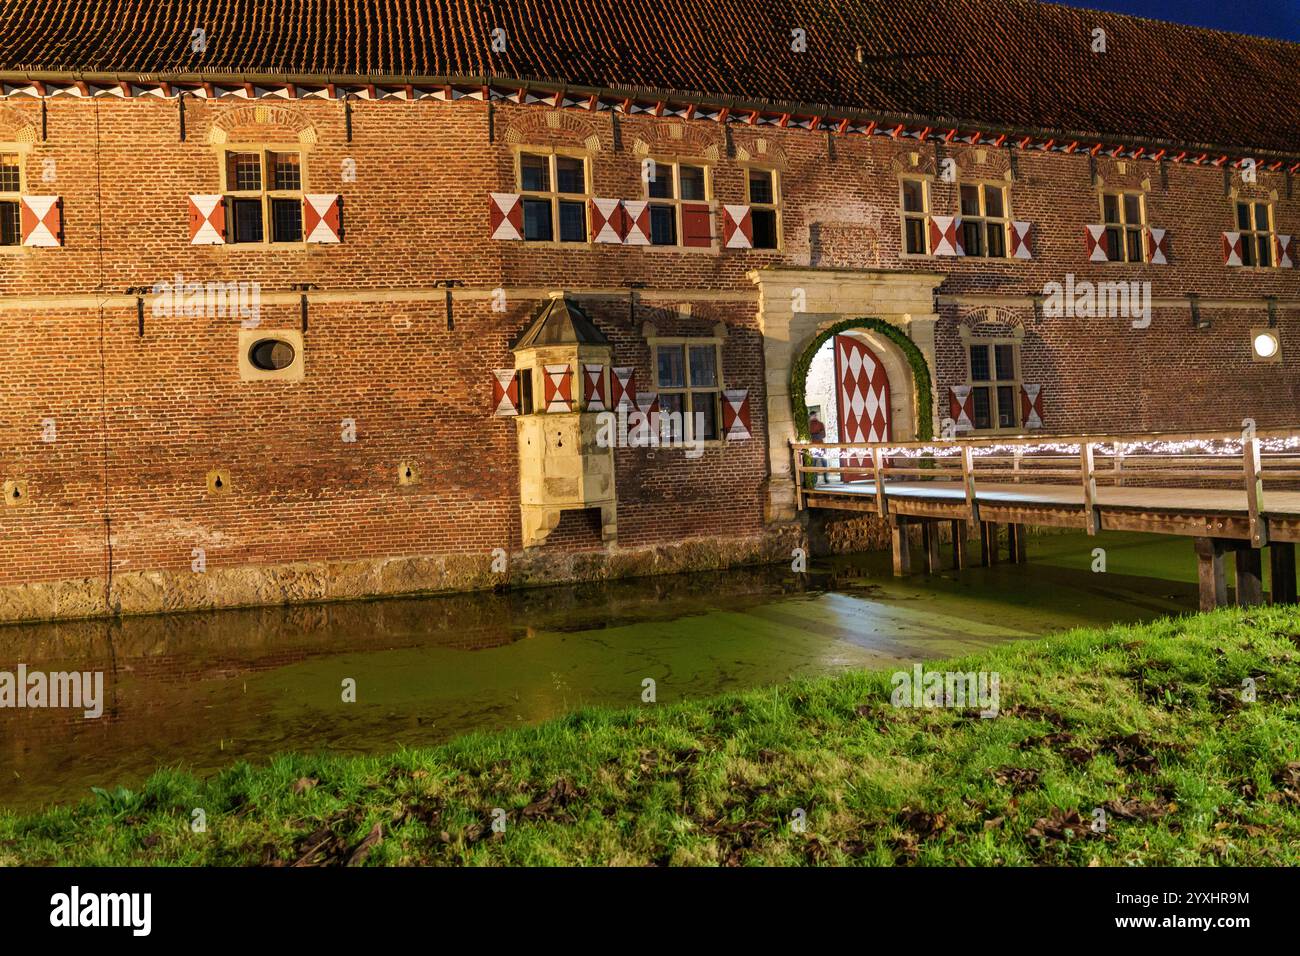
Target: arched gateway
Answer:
[[884, 321]]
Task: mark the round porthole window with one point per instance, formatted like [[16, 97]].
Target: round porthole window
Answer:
[[1265, 344], [271, 355]]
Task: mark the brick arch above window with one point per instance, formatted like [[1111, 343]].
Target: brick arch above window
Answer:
[[554, 128], [261, 124], [1126, 174], [913, 159], [992, 321], [15, 127], [763, 150], [678, 138]]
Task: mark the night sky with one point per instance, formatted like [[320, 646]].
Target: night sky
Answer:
[[1270, 18]]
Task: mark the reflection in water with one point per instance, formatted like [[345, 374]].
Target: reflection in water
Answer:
[[203, 690]]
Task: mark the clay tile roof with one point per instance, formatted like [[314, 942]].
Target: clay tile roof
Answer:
[[1014, 64], [560, 322]]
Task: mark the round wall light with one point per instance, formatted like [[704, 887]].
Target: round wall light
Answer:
[[1265, 345]]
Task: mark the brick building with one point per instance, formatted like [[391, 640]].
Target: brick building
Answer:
[[312, 299]]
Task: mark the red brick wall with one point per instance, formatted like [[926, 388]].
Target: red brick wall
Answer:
[[140, 421]]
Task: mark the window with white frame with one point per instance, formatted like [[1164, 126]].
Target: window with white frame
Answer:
[[688, 375], [11, 190], [264, 195], [985, 220], [554, 189], [763, 196], [1255, 223], [914, 202], [678, 192], [1124, 214], [994, 377]]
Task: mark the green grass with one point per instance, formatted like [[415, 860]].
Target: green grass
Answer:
[[1144, 721]]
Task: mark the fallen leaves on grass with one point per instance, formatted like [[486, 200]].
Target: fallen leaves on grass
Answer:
[[1019, 779]]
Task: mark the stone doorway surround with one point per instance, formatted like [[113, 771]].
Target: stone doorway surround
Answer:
[[796, 304]]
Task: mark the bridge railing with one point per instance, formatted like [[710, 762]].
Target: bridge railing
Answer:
[[1248, 461]]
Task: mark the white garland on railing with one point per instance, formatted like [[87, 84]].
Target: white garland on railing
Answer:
[[1218, 447]]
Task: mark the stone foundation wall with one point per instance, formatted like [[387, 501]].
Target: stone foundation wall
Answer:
[[164, 591]]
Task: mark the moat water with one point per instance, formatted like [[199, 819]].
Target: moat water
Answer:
[[201, 691]]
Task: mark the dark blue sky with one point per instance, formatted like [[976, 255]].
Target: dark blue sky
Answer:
[[1270, 18]]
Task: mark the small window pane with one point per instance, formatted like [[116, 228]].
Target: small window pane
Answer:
[[764, 221], [972, 237], [1005, 359], [245, 172], [537, 220], [692, 182], [970, 200], [1110, 208], [1135, 245], [979, 363], [1265, 250], [10, 228], [914, 230], [660, 185], [760, 187], [1132, 208], [663, 225], [993, 202], [672, 368], [705, 424], [570, 175], [1261, 216], [997, 240], [1243, 215], [286, 171], [1006, 406], [573, 221], [286, 220], [672, 417], [913, 195], [535, 173], [247, 219], [704, 365], [1248, 252], [983, 414], [1115, 244], [10, 174]]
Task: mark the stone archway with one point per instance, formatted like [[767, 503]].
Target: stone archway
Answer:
[[799, 309]]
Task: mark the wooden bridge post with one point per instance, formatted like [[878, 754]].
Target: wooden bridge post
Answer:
[[1016, 543], [959, 556], [1250, 576], [1092, 514], [988, 543], [900, 545], [930, 538], [1254, 492], [1281, 560], [1209, 571]]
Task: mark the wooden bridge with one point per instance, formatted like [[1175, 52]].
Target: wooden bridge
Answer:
[[1231, 493]]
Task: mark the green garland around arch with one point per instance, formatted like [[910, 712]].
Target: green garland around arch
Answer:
[[920, 374]]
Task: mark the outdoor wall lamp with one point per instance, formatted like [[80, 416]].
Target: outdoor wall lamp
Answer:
[[1198, 321], [448, 284], [302, 287]]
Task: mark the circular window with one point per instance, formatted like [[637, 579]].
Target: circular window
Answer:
[[271, 355]]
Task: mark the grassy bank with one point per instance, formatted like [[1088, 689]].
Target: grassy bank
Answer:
[[1146, 723]]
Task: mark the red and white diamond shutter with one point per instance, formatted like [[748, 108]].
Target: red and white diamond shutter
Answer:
[[505, 392], [559, 388], [1022, 241], [1031, 406], [1157, 246], [945, 240], [637, 222], [1285, 252], [961, 407], [1095, 243], [1232, 248], [593, 388], [507, 216], [697, 225], [862, 397], [735, 414], [622, 386], [41, 219], [737, 227], [207, 220], [323, 217], [607, 221]]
